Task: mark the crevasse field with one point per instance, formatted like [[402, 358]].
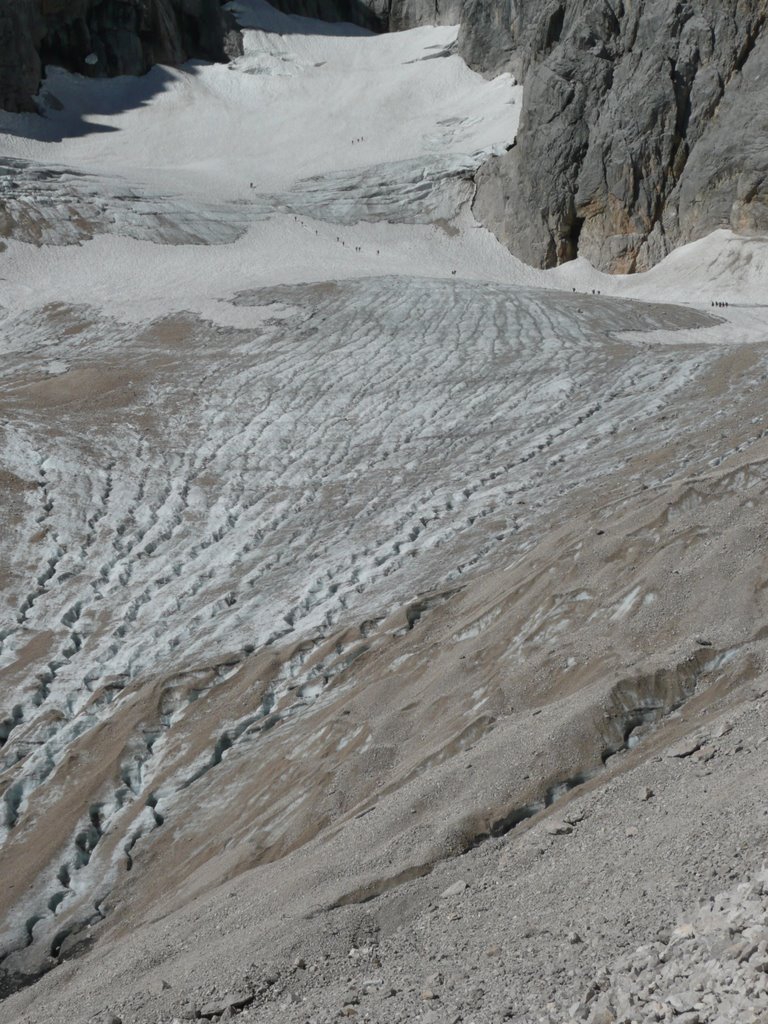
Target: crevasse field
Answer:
[[272, 401]]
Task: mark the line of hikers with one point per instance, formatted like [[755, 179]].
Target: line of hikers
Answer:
[[357, 248]]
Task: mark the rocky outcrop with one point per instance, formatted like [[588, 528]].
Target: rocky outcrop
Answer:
[[378, 15], [644, 126], [373, 15], [21, 25], [412, 13], [494, 36], [105, 37]]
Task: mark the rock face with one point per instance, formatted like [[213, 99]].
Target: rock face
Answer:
[[411, 13], [644, 126], [373, 15], [20, 25], [378, 15], [105, 37]]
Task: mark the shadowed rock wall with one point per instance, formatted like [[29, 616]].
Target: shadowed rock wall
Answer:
[[644, 125], [378, 15], [105, 37], [373, 14]]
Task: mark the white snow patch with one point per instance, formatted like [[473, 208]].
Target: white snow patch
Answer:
[[625, 606]]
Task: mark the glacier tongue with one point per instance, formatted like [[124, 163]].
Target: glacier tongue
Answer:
[[206, 503]]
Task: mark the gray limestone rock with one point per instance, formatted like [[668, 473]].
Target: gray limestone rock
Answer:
[[496, 37], [643, 126], [412, 13], [378, 15], [456, 889], [105, 37], [371, 14], [21, 25]]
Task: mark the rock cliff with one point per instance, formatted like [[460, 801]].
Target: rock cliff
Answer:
[[378, 15], [105, 37], [644, 125]]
